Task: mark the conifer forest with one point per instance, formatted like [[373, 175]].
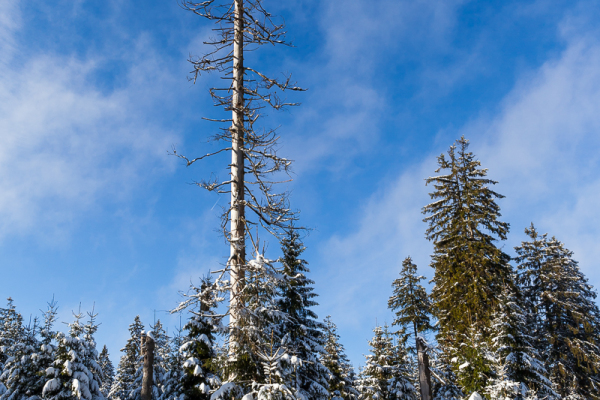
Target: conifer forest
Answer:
[[486, 322]]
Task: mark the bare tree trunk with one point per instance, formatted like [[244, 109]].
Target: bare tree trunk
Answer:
[[424, 374], [148, 353], [237, 257]]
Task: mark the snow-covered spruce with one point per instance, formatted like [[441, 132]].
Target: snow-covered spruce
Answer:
[[386, 374], [20, 375], [518, 372], [571, 335], [108, 371], [33, 353], [303, 337], [173, 380], [11, 326], [200, 376], [443, 378], [124, 382], [341, 379], [75, 373]]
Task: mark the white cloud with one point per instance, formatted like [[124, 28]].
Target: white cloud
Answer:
[[66, 143], [544, 149], [347, 100]]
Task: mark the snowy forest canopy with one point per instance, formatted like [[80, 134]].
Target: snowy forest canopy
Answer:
[[521, 328]]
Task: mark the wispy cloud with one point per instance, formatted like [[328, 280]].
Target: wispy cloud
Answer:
[[544, 149], [67, 143]]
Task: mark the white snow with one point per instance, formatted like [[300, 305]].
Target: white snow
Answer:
[[51, 386], [475, 396]]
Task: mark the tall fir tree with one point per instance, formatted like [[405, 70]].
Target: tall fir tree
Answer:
[[108, 371], [519, 373], [470, 269], [341, 380], [303, 333], [130, 362]]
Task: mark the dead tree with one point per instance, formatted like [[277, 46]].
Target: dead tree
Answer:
[[424, 371], [148, 354], [255, 167]]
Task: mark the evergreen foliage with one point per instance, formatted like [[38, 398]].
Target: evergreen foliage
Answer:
[[571, 325], [471, 359], [518, 371], [341, 374], [410, 302], [173, 382], [385, 375], [47, 347], [563, 314], [75, 373], [469, 269], [200, 377], [444, 381], [21, 369], [125, 378], [108, 371], [303, 333], [11, 327]]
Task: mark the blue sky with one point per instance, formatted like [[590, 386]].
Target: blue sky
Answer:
[[95, 94]]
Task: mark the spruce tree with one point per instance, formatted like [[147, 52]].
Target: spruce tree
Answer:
[[571, 324], [401, 385], [46, 352], [108, 371], [266, 360], [129, 364], [385, 375], [469, 268], [562, 314], [531, 263], [410, 302], [518, 370], [11, 329], [340, 379], [375, 374], [445, 386], [75, 373], [20, 375], [303, 333], [173, 388], [412, 307], [199, 378]]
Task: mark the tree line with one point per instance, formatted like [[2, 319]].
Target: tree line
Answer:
[[489, 328], [501, 331]]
